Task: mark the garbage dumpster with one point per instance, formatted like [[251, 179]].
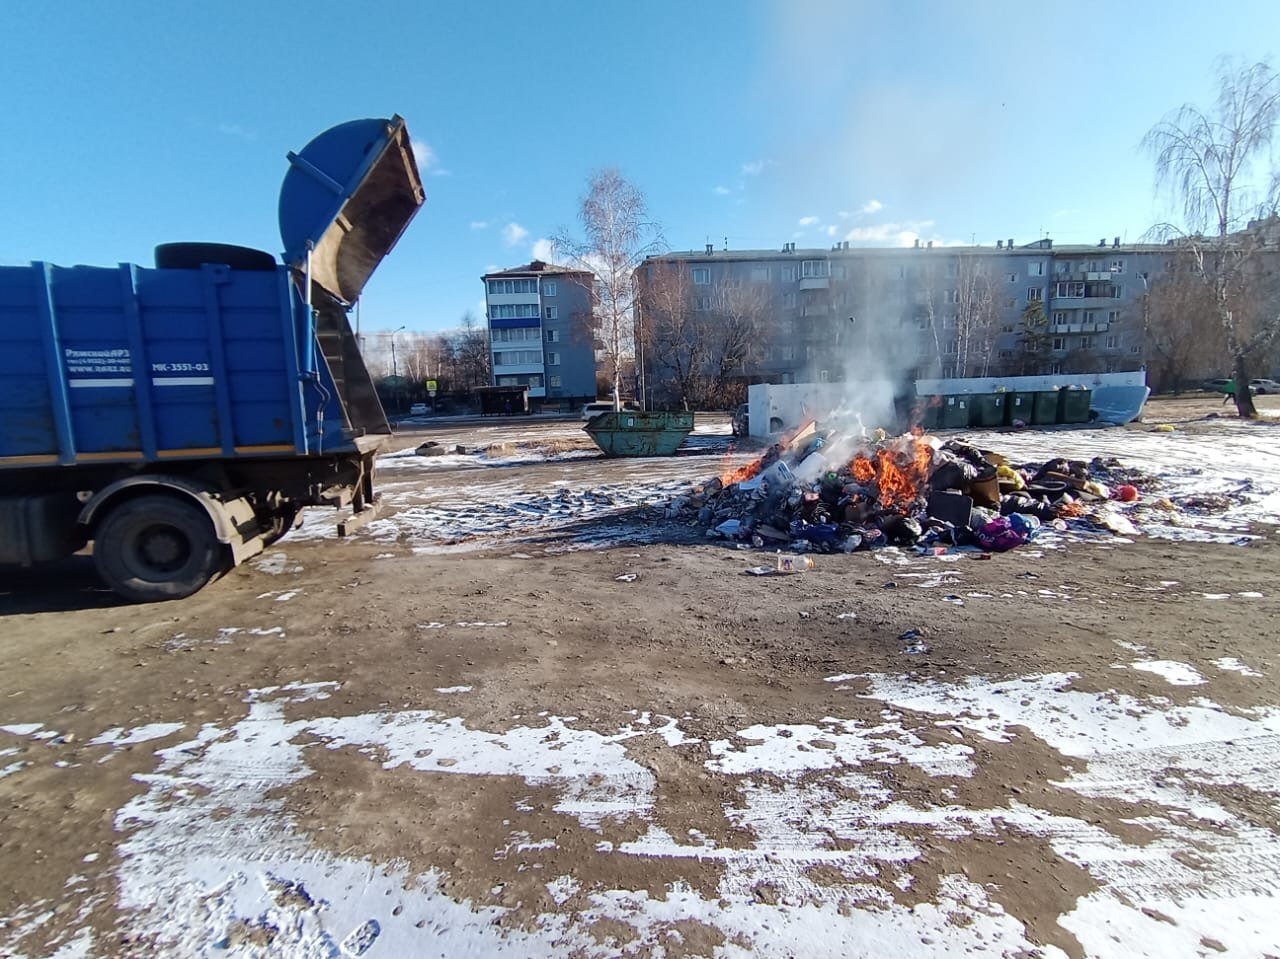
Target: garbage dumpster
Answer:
[[987, 409], [1045, 410], [955, 412], [1019, 407], [1073, 405], [930, 412]]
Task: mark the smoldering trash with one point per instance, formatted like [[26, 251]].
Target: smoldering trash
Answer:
[[819, 490]]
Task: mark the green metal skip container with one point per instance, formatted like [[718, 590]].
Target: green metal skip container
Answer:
[[955, 412], [987, 409], [1019, 408], [1045, 410], [1073, 405]]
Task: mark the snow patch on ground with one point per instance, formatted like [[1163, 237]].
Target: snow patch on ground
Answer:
[[1175, 673]]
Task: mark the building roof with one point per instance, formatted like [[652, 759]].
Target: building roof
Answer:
[[534, 268], [821, 252]]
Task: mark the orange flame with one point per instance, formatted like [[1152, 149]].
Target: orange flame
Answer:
[[730, 475], [899, 476]]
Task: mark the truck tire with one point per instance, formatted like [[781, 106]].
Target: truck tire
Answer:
[[191, 256], [154, 548]]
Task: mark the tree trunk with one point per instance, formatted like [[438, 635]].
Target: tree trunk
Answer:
[[1244, 396]]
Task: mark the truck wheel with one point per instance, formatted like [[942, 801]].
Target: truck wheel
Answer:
[[191, 256], [155, 548]]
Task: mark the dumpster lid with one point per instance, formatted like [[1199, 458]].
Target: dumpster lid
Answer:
[[351, 192]]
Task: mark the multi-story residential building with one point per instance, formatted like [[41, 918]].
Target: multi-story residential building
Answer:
[[836, 314], [540, 332]]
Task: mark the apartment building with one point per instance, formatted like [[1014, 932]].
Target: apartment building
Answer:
[[540, 336], [831, 314]]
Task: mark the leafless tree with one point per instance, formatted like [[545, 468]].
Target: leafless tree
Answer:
[[699, 349], [1178, 323], [975, 317], [1208, 160], [617, 235]]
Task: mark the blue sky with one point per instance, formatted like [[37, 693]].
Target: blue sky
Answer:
[[131, 124]]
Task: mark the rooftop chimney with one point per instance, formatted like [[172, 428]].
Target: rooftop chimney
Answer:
[[1009, 243], [931, 244], [917, 243], [1116, 244], [1048, 243], [1102, 242], [710, 248], [999, 244]]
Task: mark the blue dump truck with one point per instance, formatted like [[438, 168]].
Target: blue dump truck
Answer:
[[180, 417]]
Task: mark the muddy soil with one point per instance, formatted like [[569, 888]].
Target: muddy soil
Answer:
[[551, 639]]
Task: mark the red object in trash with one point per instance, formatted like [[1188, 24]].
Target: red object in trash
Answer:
[[1125, 493]]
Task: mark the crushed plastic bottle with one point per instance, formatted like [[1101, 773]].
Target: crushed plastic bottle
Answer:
[[794, 564]]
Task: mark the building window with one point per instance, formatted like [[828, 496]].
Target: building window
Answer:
[[789, 273], [554, 382], [953, 269], [553, 336], [1055, 369], [823, 376], [551, 312], [1090, 316], [815, 268], [1035, 268], [1062, 266], [518, 358], [951, 296], [504, 287], [1113, 316], [1035, 294], [759, 274], [701, 275], [948, 371], [948, 321], [1005, 354], [702, 302], [535, 382], [553, 359], [549, 289], [1113, 342], [1059, 344], [1117, 266], [1007, 328], [508, 381], [1060, 318], [788, 352], [513, 311], [1029, 345], [789, 300], [952, 347], [1086, 342], [1073, 289], [1135, 349]]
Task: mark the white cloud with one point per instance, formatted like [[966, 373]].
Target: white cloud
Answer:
[[237, 131], [479, 224], [890, 234], [832, 230], [754, 167], [425, 156], [514, 234], [844, 214], [807, 221], [721, 191], [545, 250], [872, 206]]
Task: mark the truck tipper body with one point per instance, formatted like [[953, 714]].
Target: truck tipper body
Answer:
[[180, 417]]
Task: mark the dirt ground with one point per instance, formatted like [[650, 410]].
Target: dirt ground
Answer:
[[363, 748]]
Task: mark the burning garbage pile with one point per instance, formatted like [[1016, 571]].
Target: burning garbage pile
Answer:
[[820, 490]]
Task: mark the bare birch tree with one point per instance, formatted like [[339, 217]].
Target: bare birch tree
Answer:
[[617, 236], [975, 317], [1209, 161]]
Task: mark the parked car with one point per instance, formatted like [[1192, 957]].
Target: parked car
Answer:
[[419, 409], [741, 421], [1221, 385], [1262, 386], [605, 406]]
